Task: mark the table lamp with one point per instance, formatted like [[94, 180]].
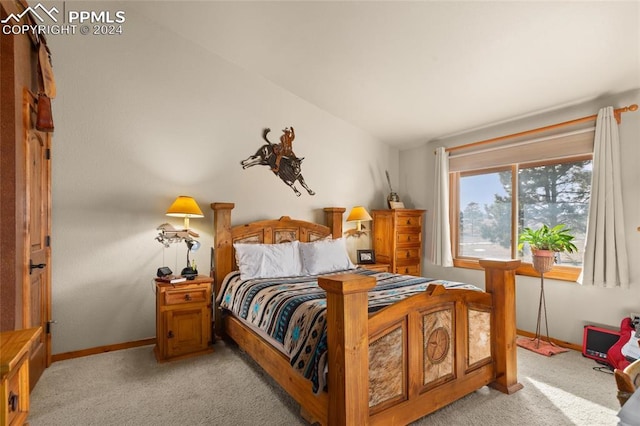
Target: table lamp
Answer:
[[358, 214]]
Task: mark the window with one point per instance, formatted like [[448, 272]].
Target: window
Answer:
[[485, 215], [495, 194], [553, 194]]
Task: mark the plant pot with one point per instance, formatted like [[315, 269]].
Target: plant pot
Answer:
[[543, 260]]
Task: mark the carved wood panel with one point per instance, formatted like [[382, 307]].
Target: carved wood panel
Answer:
[[439, 345], [387, 368], [479, 337]]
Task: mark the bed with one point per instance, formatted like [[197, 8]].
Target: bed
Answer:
[[391, 365]]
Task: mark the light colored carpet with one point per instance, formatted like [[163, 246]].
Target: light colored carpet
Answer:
[[128, 387]]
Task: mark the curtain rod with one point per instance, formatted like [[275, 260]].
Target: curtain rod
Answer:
[[616, 112]]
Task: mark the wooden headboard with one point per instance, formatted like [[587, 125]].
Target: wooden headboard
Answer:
[[266, 232]]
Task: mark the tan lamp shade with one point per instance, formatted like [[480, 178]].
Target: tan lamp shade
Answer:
[[359, 214], [186, 207]]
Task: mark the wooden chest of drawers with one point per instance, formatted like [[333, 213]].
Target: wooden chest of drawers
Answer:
[[183, 318], [397, 239]]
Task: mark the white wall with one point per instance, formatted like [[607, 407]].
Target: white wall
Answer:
[[145, 116], [570, 306]]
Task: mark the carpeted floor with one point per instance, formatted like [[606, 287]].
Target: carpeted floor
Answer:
[[226, 388]]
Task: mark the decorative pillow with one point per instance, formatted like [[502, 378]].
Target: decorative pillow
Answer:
[[324, 256], [268, 260]]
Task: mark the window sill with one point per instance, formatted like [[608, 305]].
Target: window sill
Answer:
[[561, 273]]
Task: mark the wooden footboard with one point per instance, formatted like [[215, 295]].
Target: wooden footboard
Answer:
[[400, 363], [449, 344], [443, 346], [437, 347]]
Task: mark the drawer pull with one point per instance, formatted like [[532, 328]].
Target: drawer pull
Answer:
[[13, 401], [170, 334], [187, 297], [408, 254]]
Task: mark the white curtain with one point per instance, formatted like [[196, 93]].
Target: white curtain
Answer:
[[605, 261], [441, 235]]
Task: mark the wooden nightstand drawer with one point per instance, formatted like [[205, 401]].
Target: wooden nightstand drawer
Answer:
[[187, 295], [378, 267]]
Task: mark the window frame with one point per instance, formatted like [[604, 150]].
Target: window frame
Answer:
[[559, 272]]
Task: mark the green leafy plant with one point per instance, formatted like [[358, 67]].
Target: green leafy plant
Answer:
[[558, 239]]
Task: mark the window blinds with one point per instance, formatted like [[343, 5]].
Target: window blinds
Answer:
[[547, 148]]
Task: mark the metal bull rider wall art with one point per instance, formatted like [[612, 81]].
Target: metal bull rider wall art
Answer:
[[281, 159]]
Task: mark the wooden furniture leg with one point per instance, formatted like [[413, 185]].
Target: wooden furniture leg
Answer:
[[223, 254], [333, 219], [348, 344], [500, 280]]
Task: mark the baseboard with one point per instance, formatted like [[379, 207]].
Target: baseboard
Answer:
[[152, 340], [560, 343], [102, 349]]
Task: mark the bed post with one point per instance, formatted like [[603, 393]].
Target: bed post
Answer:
[[222, 256], [333, 219], [500, 279], [348, 347]]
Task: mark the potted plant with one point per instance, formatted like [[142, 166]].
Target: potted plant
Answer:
[[545, 242]]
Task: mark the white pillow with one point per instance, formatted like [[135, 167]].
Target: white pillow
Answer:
[[324, 256], [268, 260]]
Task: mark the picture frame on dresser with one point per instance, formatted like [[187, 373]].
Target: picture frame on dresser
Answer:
[[366, 257]]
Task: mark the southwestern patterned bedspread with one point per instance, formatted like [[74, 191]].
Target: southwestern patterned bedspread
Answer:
[[292, 310]]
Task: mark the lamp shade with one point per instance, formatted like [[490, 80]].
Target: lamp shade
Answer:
[[184, 206], [358, 213]]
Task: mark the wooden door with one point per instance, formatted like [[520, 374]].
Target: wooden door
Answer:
[[37, 276], [25, 299]]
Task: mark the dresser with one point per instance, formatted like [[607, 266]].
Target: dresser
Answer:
[[183, 318], [397, 239]]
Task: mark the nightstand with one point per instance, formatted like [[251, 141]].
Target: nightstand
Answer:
[[14, 374], [378, 267], [183, 318]]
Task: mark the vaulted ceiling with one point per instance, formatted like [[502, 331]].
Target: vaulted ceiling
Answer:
[[409, 72]]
